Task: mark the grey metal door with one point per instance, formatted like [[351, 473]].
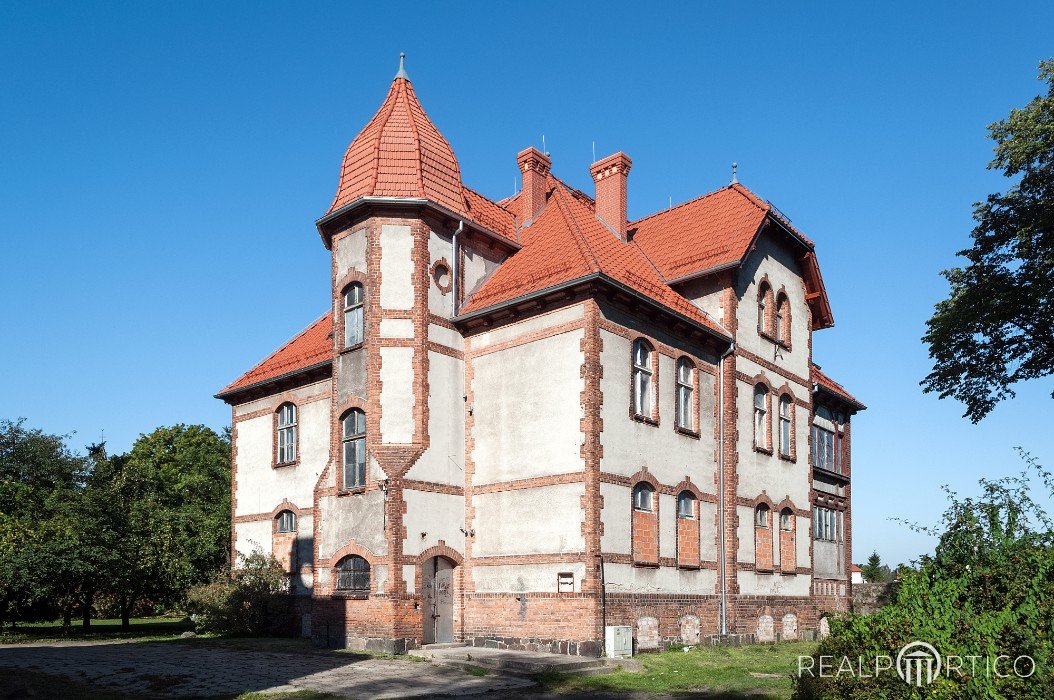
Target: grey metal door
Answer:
[[437, 581]]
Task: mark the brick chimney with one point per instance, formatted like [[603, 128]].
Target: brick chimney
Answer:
[[534, 165], [610, 175]]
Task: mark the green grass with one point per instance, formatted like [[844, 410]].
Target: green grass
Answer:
[[719, 672], [142, 628]]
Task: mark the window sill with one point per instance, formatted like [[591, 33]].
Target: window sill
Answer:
[[685, 431], [763, 570], [689, 567], [353, 491], [351, 595], [774, 340], [763, 450], [351, 348], [284, 465], [644, 419], [646, 564], [788, 458]]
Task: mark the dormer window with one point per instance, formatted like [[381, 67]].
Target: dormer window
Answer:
[[353, 321]]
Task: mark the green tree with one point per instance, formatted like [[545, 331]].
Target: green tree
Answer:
[[986, 591], [875, 571], [996, 327]]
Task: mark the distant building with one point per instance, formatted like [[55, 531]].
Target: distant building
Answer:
[[520, 420], [856, 574]]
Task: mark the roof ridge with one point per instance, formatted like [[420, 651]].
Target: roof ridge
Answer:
[[580, 237], [693, 201]]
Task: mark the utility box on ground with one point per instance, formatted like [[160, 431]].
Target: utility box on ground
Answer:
[[618, 641]]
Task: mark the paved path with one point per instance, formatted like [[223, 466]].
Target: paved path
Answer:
[[189, 670]]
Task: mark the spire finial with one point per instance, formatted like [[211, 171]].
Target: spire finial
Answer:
[[735, 178], [402, 67]]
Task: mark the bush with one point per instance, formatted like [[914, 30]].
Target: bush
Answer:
[[251, 600], [988, 590]]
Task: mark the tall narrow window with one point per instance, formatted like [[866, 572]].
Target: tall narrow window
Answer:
[[353, 574], [786, 519], [761, 432], [642, 497], [353, 441], [287, 433], [785, 425], [826, 442], [353, 315], [783, 320], [685, 394], [642, 372], [763, 292]]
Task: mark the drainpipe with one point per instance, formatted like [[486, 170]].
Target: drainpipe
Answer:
[[457, 267], [722, 563]]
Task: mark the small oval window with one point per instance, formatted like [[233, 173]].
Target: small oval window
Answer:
[[441, 275]]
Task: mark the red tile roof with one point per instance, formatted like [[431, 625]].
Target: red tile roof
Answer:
[[311, 346], [567, 242], [400, 153], [818, 377]]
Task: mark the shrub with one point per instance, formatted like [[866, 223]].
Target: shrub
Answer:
[[985, 591], [251, 600]]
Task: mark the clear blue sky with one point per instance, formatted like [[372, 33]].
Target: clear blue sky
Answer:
[[162, 164]]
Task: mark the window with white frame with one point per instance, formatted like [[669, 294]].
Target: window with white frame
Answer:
[[643, 497], [353, 305], [761, 515], [685, 394], [827, 440], [642, 379], [353, 443], [785, 425], [686, 505], [287, 433], [287, 521], [827, 524], [761, 431]]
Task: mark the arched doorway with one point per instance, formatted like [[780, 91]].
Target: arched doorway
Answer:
[[437, 592]]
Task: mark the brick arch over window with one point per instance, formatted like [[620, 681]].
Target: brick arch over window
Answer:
[[352, 548], [644, 526], [441, 550]]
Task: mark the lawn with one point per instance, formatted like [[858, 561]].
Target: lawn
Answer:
[[757, 671], [142, 628]]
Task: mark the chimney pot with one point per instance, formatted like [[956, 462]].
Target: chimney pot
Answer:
[[610, 175], [534, 167]]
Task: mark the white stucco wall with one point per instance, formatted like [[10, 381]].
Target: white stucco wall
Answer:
[[261, 487], [752, 583], [546, 519], [541, 578], [431, 517], [527, 409], [445, 336], [350, 252], [439, 248], [253, 536], [397, 267], [667, 526], [533, 324], [616, 516], [397, 328], [630, 444], [444, 460], [625, 578], [397, 395]]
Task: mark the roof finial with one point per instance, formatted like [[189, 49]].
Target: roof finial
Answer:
[[735, 178], [402, 68]]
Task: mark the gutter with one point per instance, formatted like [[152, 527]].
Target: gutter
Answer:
[[407, 201], [722, 559], [593, 277], [224, 395], [849, 401]]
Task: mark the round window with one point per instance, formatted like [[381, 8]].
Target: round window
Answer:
[[441, 275]]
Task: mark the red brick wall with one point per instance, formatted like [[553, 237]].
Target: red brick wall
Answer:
[[688, 539], [646, 535], [763, 548]]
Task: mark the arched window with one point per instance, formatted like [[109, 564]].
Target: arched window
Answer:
[[761, 515], [287, 521], [642, 373], [286, 433], [785, 425], [783, 320], [761, 429], [786, 519], [353, 303], [353, 442], [643, 497], [686, 505], [763, 299], [788, 547], [685, 394], [353, 574]]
